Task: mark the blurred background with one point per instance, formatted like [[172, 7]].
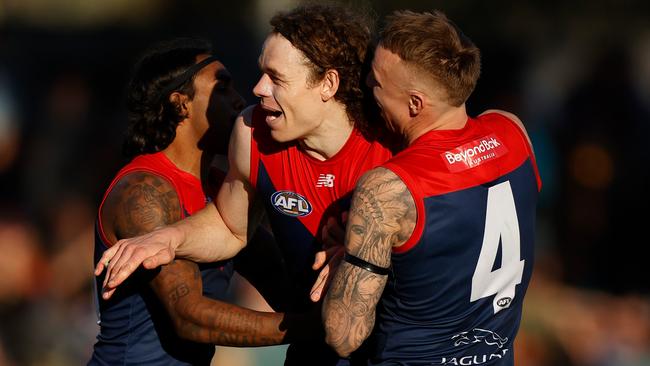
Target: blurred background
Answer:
[[577, 73]]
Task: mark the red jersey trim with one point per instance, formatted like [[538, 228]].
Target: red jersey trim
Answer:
[[529, 148], [254, 163], [255, 151], [418, 197]]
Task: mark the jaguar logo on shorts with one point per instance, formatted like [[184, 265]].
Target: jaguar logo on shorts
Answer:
[[290, 203]]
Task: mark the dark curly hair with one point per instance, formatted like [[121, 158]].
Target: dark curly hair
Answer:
[[332, 37], [152, 117]]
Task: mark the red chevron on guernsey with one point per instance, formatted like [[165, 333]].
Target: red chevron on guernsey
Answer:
[[474, 153]]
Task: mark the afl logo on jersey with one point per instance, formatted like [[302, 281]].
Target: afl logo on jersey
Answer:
[[291, 203], [504, 302]]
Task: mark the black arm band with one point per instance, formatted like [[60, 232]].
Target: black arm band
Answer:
[[356, 261]]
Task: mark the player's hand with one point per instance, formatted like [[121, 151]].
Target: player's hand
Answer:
[[331, 255], [122, 259]]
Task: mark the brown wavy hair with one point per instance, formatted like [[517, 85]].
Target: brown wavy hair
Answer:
[[332, 37], [435, 45]]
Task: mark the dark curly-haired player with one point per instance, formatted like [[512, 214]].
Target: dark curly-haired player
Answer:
[[300, 150], [181, 107]]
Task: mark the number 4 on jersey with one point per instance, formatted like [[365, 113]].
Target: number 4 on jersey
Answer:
[[501, 226]]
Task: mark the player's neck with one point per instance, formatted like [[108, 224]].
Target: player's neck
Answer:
[[329, 137], [185, 156], [453, 118]]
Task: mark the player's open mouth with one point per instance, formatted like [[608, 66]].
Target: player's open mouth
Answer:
[[272, 115]]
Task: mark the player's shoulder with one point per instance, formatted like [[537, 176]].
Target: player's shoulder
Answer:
[[516, 121], [380, 177], [508, 115], [244, 122], [140, 182], [247, 114], [137, 202]]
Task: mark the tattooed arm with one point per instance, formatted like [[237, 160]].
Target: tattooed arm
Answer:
[[209, 235], [142, 201], [205, 320], [382, 216]]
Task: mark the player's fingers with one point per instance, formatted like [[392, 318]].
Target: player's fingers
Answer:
[[121, 257], [319, 260], [122, 274], [105, 259], [99, 268], [107, 293], [117, 249], [333, 234], [129, 261], [319, 285], [157, 260]]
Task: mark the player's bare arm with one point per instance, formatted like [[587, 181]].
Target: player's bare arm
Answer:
[[143, 201], [382, 216], [236, 195], [209, 235], [201, 319], [158, 247], [137, 204]]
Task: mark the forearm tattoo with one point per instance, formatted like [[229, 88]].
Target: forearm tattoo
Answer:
[[227, 325], [205, 320], [382, 215]]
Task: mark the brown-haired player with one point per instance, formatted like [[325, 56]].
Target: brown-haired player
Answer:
[[442, 234], [299, 151]]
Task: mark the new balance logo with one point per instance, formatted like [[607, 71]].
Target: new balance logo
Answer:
[[325, 180]]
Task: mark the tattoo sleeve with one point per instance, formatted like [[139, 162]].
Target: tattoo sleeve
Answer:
[[201, 319], [144, 201], [382, 215]]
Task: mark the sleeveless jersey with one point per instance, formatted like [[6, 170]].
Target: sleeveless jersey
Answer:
[[300, 193], [134, 326], [455, 293]]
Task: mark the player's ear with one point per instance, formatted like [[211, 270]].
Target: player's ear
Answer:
[[181, 103], [329, 85], [416, 103]]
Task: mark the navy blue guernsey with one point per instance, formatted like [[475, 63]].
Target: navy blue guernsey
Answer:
[[456, 290], [134, 326]]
